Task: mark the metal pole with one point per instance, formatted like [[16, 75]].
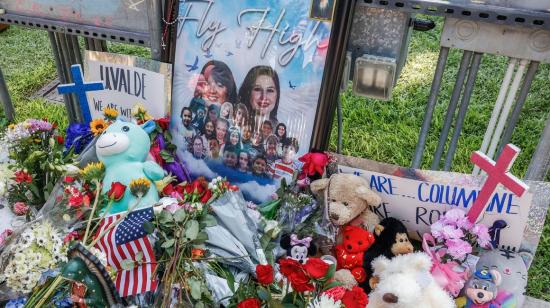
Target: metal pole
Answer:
[[529, 76], [504, 86], [68, 61], [430, 107], [61, 72], [7, 104], [507, 106], [154, 12], [340, 125], [540, 163], [463, 109], [97, 45], [76, 48], [464, 64]]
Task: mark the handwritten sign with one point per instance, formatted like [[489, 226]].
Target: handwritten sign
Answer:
[[128, 80], [421, 202]]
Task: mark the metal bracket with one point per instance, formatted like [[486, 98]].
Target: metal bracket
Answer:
[[77, 29], [517, 16]]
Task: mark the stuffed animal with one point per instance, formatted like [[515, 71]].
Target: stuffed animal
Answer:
[[482, 291], [513, 268], [405, 282], [123, 148], [347, 198], [349, 254], [391, 240], [298, 249]]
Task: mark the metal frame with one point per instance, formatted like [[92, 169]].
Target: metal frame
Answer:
[[472, 11]]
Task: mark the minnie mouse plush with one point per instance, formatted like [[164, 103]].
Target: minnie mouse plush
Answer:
[[298, 249]]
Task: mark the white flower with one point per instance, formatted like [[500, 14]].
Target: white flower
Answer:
[[71, 169], [324, 301]]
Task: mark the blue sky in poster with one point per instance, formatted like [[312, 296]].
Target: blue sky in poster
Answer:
[[296, 49]]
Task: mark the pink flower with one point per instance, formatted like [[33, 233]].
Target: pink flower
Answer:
[[458, 248], [437, 230], [4, 236], [172, 208], [453, 216], [450, 232], [464, 223], [20, 208], [482, 233]]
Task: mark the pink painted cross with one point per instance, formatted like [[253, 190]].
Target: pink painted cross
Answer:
[[497, 173]]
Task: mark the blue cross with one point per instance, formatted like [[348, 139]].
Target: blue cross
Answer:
[[79, 87]]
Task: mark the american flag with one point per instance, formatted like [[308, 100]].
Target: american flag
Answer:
[[123, 242]]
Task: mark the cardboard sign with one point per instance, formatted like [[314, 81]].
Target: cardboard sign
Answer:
[[419, 197], [128, 80]]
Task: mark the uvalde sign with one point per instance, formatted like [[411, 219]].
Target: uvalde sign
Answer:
[[419, 197]]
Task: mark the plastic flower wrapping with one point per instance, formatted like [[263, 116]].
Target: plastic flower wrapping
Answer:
[[37, 249]]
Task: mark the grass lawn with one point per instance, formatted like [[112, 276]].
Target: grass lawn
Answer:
[[383, 131]]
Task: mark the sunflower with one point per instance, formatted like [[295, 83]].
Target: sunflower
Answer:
[[93, 171], [140, 113], [110, 113], [98, 126], [139, 187]]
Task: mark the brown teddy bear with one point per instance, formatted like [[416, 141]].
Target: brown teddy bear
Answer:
[[347, 198]]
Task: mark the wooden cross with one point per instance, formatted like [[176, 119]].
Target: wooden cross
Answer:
[[497, 173], [79, 87]]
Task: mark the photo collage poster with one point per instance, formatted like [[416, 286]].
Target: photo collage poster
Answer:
[[247, 78]]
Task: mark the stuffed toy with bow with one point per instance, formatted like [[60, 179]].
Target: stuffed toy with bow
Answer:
[[298, 249]]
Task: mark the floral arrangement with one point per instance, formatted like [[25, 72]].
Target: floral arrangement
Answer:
[[39, 249], [37, 151], [457, 235], [303, 285]]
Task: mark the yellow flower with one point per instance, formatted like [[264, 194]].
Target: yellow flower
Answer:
[[93, 171], [110, 113], [11, 126], [140, 113], [98, 126], [139, 187]]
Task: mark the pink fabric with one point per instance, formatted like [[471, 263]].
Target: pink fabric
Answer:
[[443, 273]]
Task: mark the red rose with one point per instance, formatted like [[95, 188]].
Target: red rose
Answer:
[[314, 163], [68, 179], [233, 187], [168, 189], [163, 123], [316, 268], [289, 266], [195, 187], [155, 152], [356, 298], [71, 236], [76, 200], [207, 195], [117, 191], [264, 273], [250, 303], [60, 139], [300, 282]]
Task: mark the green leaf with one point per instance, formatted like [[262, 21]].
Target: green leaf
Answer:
[[127, 264], [262, 294], [165, 217], [169, 243], [230, 280], [195, 286], [332, 285], [201, 237], [330, 272], [209, 220], [180, 215], [199, 305], [192, 230], [148, 227]]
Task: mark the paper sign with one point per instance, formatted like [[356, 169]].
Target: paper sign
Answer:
[[128, 80], [418, 203]]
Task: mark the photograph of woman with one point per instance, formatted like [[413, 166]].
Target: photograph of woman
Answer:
[[241, 116], [280, 132], [226, 112], [234, 141], [259, 92], [220, 85]]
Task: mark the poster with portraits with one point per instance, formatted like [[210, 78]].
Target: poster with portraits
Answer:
[[247, 77]]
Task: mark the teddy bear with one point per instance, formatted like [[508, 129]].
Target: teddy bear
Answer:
[[405, 282], [482, 291], [348, 199], [349, 254], [391, 239], [123, 149]]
